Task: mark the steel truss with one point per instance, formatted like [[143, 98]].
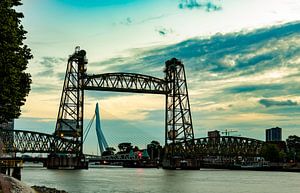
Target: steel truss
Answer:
[[230, 146], [35, 142], [125, 82], [179, 135], [70, 115], [179, 126], [225, 146], [69, 125]]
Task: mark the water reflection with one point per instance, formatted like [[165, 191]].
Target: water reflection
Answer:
[[105, 179]]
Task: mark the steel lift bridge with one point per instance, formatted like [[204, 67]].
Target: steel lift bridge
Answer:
[[178, 120], [68, 137]]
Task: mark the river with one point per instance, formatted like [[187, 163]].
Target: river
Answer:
[[118, 179]]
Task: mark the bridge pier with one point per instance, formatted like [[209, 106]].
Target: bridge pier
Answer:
[[11, 167], [180, 163], [64, 161]]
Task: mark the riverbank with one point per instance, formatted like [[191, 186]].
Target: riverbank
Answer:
[[9, 184], [278, 167], [44, 189]]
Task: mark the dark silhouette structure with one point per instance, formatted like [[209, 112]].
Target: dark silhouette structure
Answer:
[[181, 149], [179, 127], [274, 134]]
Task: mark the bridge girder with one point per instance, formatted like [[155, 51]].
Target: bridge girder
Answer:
[[227, 146], [126, 82], [22, 141], [230, 146]]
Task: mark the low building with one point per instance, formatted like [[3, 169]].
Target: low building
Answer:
[[214, 134]]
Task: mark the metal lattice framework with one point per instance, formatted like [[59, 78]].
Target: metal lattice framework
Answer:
[[69, 125], [70, 115], [225, 146], [35, 142], [179, 126], [179, 135], [125, 82], [230, 146]]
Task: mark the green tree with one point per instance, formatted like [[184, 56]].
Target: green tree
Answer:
[[14, 57], [154, 149], [125, 147], [109, 151], [293, 144], [271, 152]]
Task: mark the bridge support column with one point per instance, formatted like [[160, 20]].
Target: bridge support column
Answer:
[[11, 167], [55, 161], [179, 133], [183, 164]]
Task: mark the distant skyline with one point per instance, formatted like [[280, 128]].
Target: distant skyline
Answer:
[[242, 60]]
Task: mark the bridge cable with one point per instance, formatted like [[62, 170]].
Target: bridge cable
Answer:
[[89, 127]]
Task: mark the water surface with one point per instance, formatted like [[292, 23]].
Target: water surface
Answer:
[[118, 179]]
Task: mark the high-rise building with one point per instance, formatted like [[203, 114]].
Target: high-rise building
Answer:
[[274, 134]]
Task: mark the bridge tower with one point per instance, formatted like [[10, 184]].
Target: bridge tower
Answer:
[[70, 115], [101, 139], [179, 133]]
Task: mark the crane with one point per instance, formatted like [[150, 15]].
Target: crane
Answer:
[[227, 132]]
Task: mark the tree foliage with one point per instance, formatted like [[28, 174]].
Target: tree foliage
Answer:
[[109, 151], [14, 57], [154, 149], [271, 152], [125, 147], [293, 144]]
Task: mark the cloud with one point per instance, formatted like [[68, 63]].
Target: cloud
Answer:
[[223, 56], [255, 88], [199, 4], [163, 31], [269, 103], [127, 21], [227, 75], [230, 76], [50, 62], [136, 21], [49, 65]]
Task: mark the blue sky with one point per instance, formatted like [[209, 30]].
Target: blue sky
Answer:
[[242, 61]]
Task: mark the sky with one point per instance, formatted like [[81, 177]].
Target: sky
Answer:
[[242, 61]]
